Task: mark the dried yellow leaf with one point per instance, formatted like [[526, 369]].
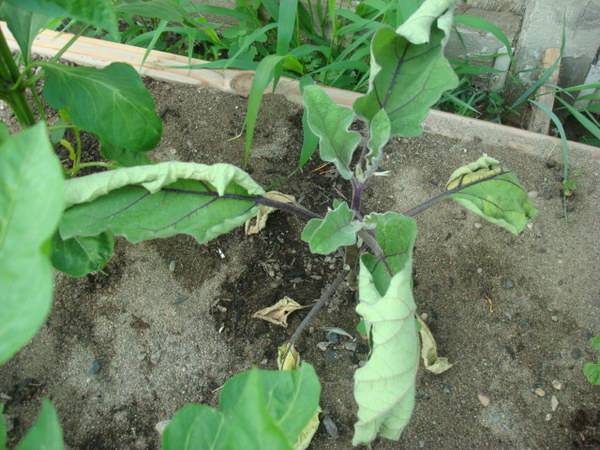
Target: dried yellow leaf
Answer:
[[255, 224], [279, 312], [433, 363]]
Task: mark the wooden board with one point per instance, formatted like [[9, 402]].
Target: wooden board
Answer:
[[167, 67]]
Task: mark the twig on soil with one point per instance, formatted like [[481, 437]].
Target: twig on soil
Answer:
[[325, 296]]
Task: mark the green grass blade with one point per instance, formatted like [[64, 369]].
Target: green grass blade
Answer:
[[249, 40], [285, 25], [481, 24], [263, 76], [160, 29], [561, 132], [581, 118]]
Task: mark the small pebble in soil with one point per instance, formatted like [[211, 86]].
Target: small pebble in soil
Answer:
[[508, 284], [548, 417], [478, 225], [532, 194], [333, 337], [323, 345], [554, 318], [554, 403], [557, 385], [350, 346], [421, 444], [172, 266], [424, 316], [479, 270], [330, 427], [446, 388], [539, 392], [483, 399], [330, 355]]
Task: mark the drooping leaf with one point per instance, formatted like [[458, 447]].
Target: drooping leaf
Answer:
[[500, 200], [385, 387], [417, 28], [330, 123], [31, 202], [336, 230], [112, 103], [80, 255], [99, 13], [405, 80], [24, 26], [45, 434], [147, 202], [258, 409]]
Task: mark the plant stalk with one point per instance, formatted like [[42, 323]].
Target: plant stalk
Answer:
[[9, 72]]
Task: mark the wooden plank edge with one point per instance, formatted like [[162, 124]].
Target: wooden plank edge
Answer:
[[164, 67]]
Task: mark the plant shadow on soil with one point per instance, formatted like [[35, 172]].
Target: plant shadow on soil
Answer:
[[170, 320]]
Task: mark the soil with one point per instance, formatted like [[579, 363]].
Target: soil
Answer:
[[168, 321]]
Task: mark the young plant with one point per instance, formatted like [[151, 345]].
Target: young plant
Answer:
[[592, 370], [73, 222]]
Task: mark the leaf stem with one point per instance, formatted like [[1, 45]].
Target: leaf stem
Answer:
[[443, 195], [325, 297]]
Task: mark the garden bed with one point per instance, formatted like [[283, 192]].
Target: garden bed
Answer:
[[170, 320]]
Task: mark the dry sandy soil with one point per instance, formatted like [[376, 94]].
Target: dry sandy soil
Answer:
[[170, 320]]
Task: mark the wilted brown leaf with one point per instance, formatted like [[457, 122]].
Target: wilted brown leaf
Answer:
[[279, 312], [255, 224]]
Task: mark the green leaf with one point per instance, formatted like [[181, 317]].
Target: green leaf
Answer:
[[112, 103], [160, 200], [500, 200], [417, 28], [123, 157], [581, 118], [24, 26], [45, 433], [405, 80], [285, 25], [79, 256], [258, 409], [31, 202], [384, 388], [482, 24], [592, 373], [330, 123], [379, 134], [596, 343], [263, 76], [99, 13], [3, 432], [336, 230], [169, 10]]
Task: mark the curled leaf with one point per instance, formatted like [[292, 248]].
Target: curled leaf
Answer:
[[337, 229], [500, 200], [254, 225], [417, 28], [279, 312], [433, 363]]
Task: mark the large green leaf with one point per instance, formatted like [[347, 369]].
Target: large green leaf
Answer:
[[81, 255], [112, 103], [99, 13], [31, 202], [384, 388], [417, 27], [258, 409], [169, 10], [160, 200], [336, 230], [405, 80], [45, 434], [330, 123], [500, 200], [24, 26]]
